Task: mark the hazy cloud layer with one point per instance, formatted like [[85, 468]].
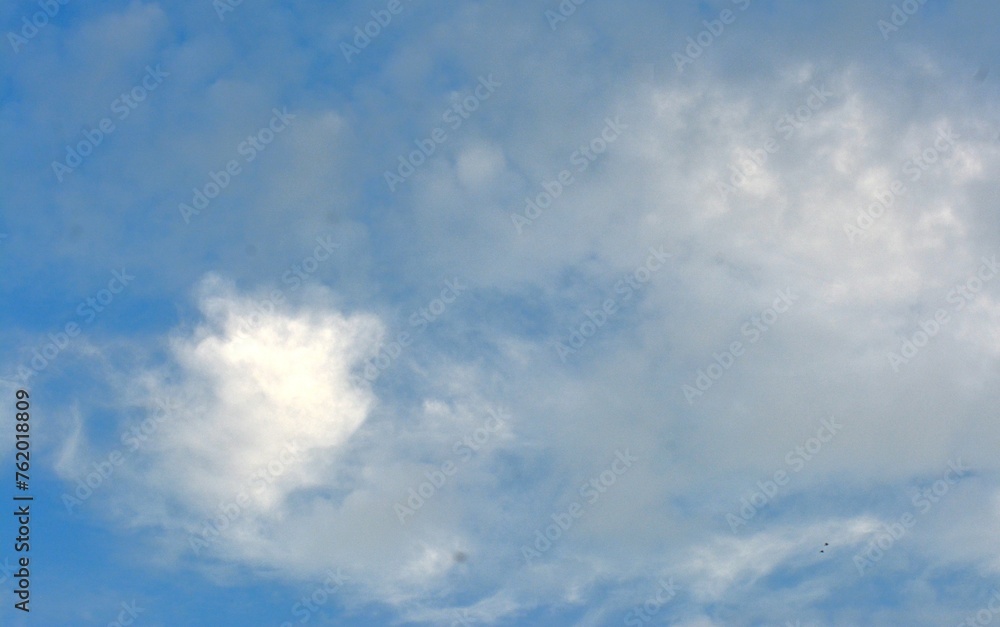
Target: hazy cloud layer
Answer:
[[768, 281]]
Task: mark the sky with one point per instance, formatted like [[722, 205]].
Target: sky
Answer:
[[501, 313]]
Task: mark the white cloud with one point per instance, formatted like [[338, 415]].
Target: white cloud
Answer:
[[261, 403], [246, 396]]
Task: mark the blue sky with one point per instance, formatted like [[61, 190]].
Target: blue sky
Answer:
[[637, 313]]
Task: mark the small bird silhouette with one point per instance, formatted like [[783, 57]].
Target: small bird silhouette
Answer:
[[824, 544]]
